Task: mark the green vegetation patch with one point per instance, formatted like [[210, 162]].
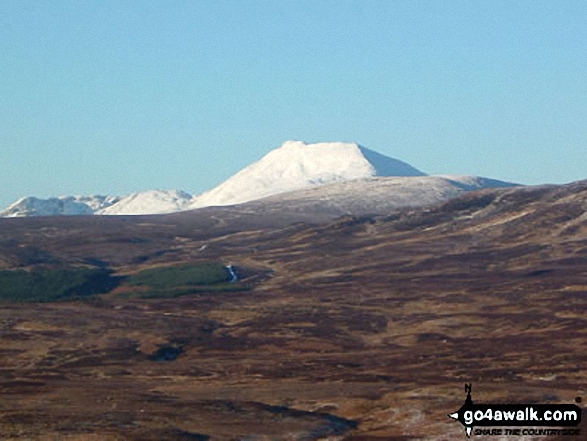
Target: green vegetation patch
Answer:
[[54, 285], [182, 280], [207, 273]]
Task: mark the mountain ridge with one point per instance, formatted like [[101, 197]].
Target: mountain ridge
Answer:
[[295, 166], [58, 206]]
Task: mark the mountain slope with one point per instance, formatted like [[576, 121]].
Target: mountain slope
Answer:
[[377, 195], [296, 165]]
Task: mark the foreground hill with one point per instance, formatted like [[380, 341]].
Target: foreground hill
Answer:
[[359, 328]]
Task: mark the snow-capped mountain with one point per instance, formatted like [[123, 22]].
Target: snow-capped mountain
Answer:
[[335, 176], [146, 202], [150, 202], [59, 206], [296, 165]]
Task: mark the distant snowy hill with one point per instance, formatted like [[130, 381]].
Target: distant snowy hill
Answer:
[[377, 195], [146, 202], [296, 165], [150, 202], [59, 206], [333, 176]]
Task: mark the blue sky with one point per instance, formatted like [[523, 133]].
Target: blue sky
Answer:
[[118, 96]]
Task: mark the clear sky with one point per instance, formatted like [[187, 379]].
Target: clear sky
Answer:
[[118, 96]]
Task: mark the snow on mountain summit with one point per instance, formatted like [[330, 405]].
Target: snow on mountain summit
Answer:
[[59, 206], [150, 202], [145, 202], [296, 165]]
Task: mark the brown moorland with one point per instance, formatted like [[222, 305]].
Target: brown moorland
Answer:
[[355, 329]]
